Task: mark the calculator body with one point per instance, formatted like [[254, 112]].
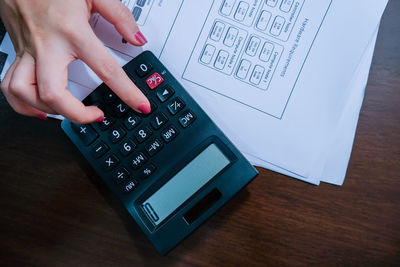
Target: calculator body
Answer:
[[171, 169]]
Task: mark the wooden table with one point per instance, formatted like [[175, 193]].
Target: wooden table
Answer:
[[54, 211]]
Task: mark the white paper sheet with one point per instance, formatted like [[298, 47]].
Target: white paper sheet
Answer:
[[292, 142], [337, 158]]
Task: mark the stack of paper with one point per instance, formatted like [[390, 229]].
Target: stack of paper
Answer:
[[284, 79]]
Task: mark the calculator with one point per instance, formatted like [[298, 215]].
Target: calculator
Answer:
[[171, 169]]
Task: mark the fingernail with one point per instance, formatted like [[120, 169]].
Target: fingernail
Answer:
[[140, 38], [42, 117], [144, 108], [101, 118]]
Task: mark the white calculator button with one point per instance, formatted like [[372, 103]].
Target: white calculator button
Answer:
[[208, 53], [266, 51], [217, 31], [227, 7], [243, 69], [253, 45], [241, 11], [257, 74], [221, 59], [230, 36], [277, 25], [263, 20], [272, 2], [286, 5]]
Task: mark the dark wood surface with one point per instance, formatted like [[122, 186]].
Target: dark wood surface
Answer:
[[55, 212]]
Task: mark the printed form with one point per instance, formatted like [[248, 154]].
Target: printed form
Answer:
[[266, 71]]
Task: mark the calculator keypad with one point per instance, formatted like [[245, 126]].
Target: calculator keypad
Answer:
[[126, 141]]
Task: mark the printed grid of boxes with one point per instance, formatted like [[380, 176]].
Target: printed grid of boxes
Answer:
[[275, 18], [257, 61], [251, 59]]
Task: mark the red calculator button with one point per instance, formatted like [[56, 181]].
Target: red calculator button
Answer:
[[154, 80]]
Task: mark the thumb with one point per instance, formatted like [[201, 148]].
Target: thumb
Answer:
[[120, 16]]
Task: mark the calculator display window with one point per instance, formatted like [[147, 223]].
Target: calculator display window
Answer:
[[185, 183]]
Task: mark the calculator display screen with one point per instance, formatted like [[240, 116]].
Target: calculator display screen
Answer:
[[185, 183]]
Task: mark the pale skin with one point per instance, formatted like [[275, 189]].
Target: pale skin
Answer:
[[48, 35]]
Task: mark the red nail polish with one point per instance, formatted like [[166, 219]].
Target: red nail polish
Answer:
[[140, 38], [42, 117], [101, 118], [144, 108]]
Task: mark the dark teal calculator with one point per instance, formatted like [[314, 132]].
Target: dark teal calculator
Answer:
[[172, 168]]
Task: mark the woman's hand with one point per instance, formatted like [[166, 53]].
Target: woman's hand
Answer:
[[48, 35]]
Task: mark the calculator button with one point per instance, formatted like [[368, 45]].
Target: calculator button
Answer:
[[208, 53], [117, 134], [241, 11], [120, 175], [153, 147], [110, 97], [138, 160], [158, 120], [143, 69], [110, 162], [277, 25], [127, 147], [136, 12], [119, 109], [141, 3], [147, 171], [272, 2], [142, 134], [85, 132], [106, 123], [131, 121], [217, 30], [186, 118], [227, 7], [154, 80], [169, 133], [286, 5], [176, 105], [99, 149], [129, 187], [165, 93], [153, 106]]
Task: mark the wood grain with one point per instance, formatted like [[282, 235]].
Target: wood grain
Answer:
[[55, 212]]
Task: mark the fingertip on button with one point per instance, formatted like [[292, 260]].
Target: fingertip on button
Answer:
[[100, 119], [42, 117], [145, 108]]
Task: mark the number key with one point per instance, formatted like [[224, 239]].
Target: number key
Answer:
[[106, 123], [158, 120], [131, 121], [127, 147], [117, 134], [142, 134], [120, 108], [143, 69]]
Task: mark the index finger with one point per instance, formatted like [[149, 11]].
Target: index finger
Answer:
[[99, 59]]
